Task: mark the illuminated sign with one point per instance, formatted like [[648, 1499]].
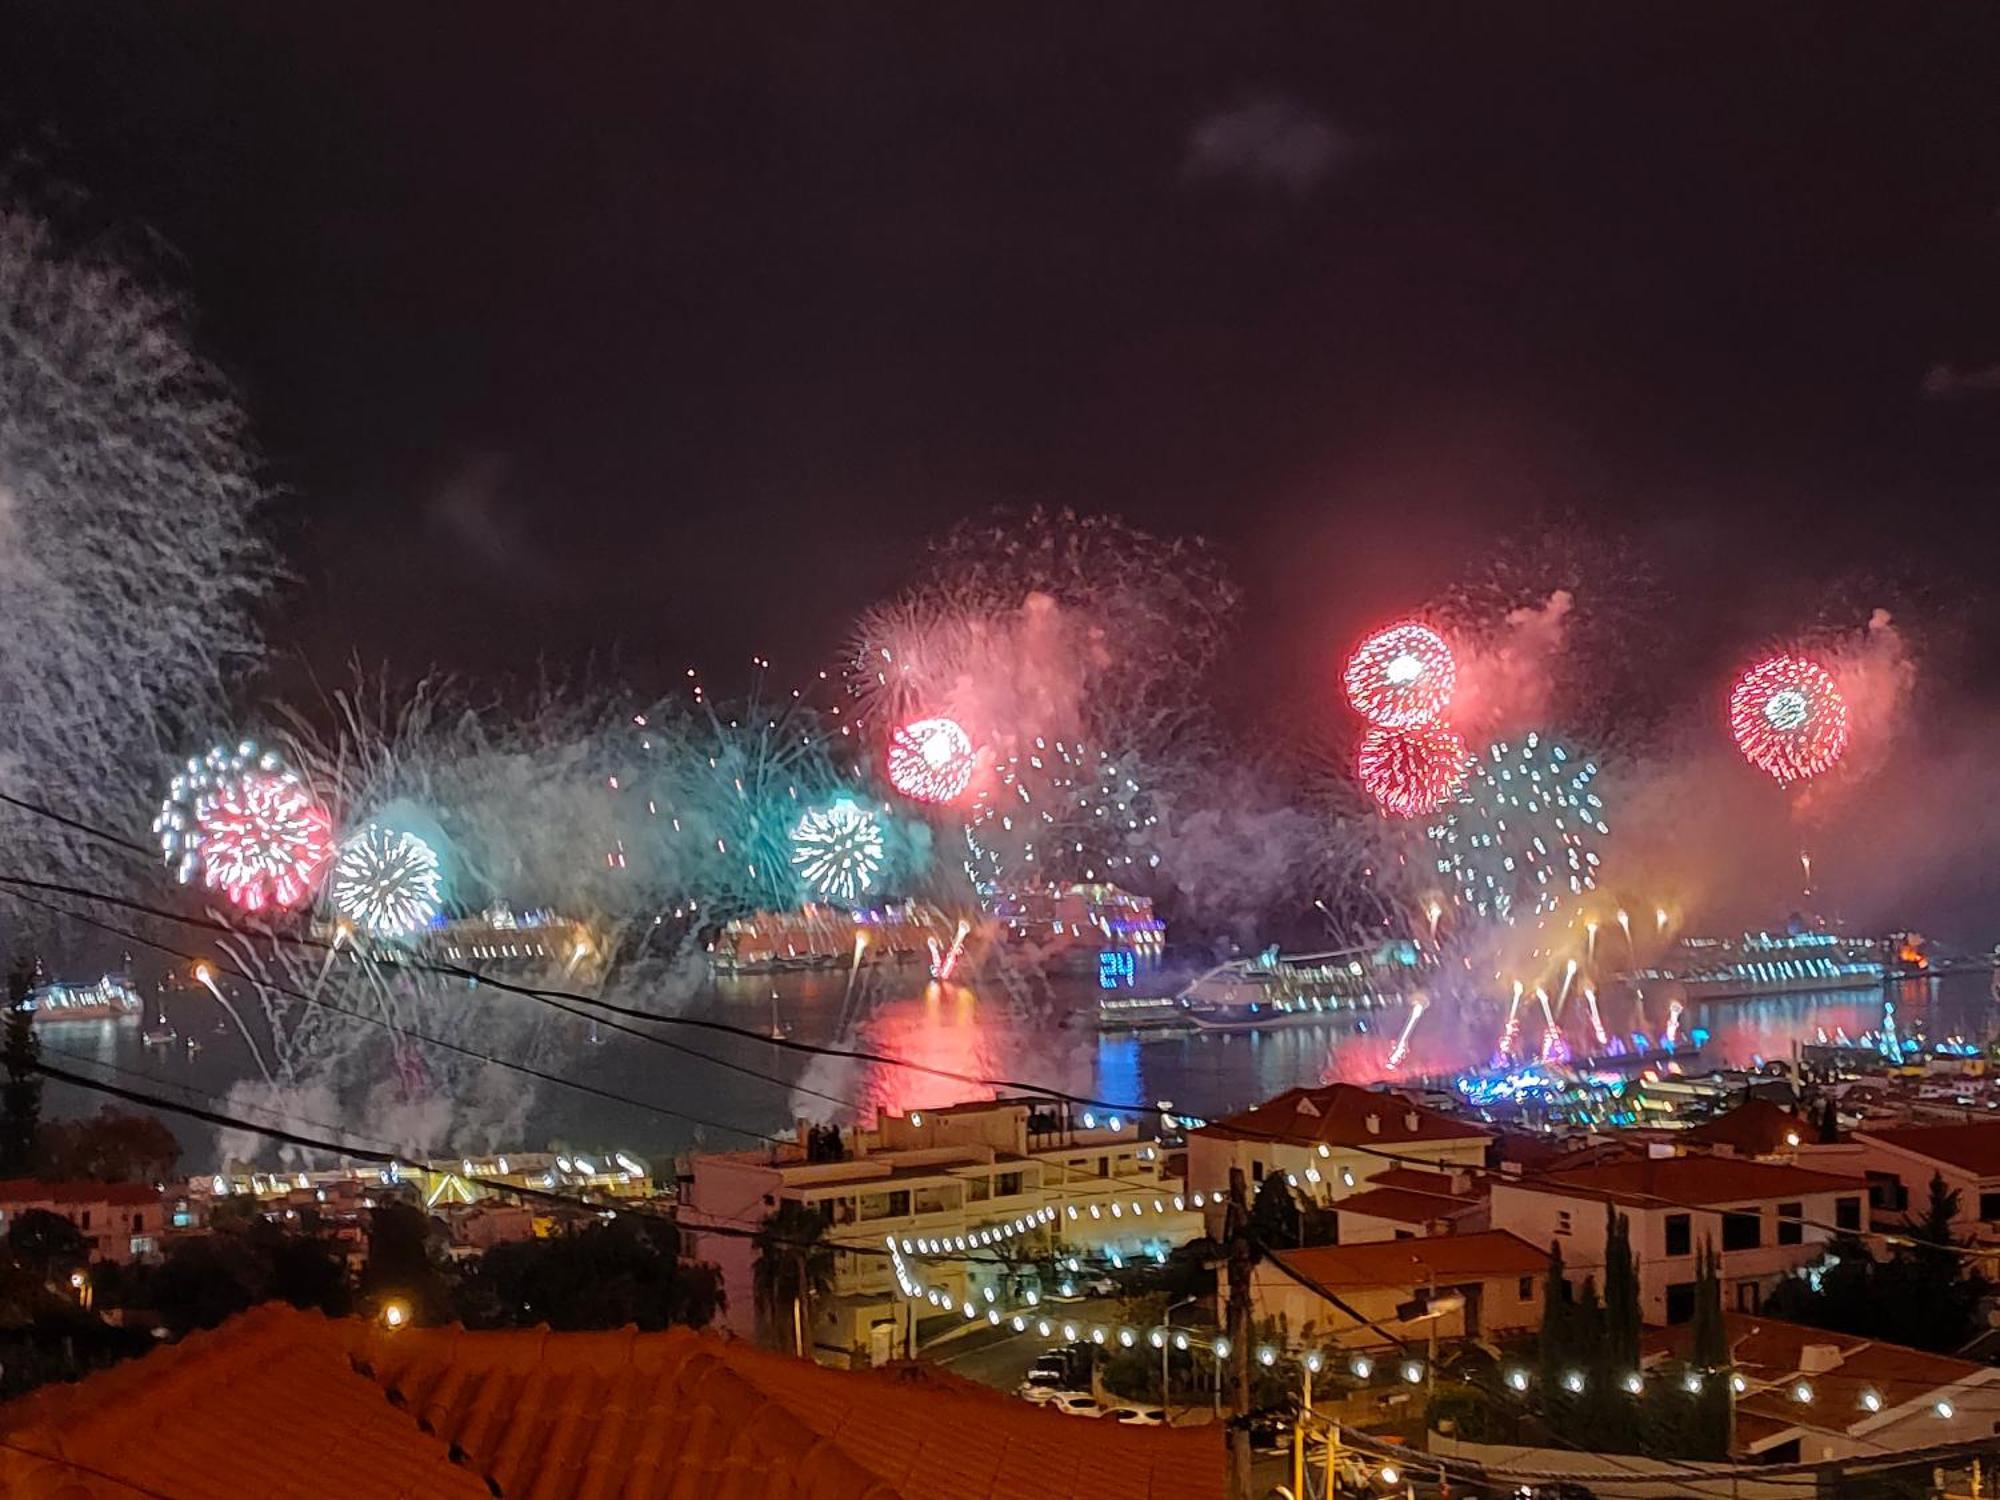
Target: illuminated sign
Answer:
[[1116, 969]]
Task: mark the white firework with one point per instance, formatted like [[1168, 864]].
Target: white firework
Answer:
[[1059, 810], [1521, 838], [386, 881], [837, 850], [194, 792]]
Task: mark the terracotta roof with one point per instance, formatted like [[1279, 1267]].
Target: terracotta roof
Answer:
[[1407, 1263], [1338, 1115], [1772, 1355], [659, 1416], [33, 1190], [1700, 1181], [244, 1410], [1464, 1186], [1404, 1205], [1756, 1127], [1970, 1148]]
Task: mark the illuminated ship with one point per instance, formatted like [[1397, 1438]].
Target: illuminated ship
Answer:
[[110, 999], [1081, 914], [828, 937], [1761, 963], [1266, 992]]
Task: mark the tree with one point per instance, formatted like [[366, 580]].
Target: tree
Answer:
[[1829, 1122], [1621, 1293], [21, 1094], [204, 1279], [1710, 1430], [401, 1264], [1555, 1345], [47, 1244], [794, 1266], [597, 1275], [1274, 1217], [112, 1145]]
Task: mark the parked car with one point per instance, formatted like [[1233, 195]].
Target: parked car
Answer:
[[1137, 1416], [1077, 1404], [1042, 1387]]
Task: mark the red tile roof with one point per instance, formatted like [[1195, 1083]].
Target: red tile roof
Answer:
[[1771, 1354], [1464, 1185], [1406, 1205], [1700, 1181], [256, 1407], [1408, 1263], [1970, 1148], [1338, 1115], [660, 1416], [33, 1190], [1756, 1127]]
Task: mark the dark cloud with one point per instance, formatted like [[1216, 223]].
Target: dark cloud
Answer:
[[1943, 382], [1271, 141]]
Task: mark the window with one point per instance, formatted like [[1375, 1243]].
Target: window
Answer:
[[1989, 1207], [138, 1223], [86, 1218], [1847, 1213], [1748, 1296], [1527, 1289], [1007, 1185], [1404, 1234], [978, 1189], [894, 1205], [1886, 1191], [1256, 1171], [1680, 1302], [1791, 1223], [1680, 1234], [1562, 1222], [1103, 1166], [1743, 1230], [935, 1200]]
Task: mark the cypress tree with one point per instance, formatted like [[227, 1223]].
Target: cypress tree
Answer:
[[1621, 1293], [21, 1093], [1556, 1341]]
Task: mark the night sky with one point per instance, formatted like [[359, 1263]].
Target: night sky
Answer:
[[663, 334]]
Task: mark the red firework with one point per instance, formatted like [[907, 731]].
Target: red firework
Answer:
[[1412, 773], [1401, 677], [930, 760], [264, 841], [1788, 718]]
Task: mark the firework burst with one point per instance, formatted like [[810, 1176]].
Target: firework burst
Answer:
[[1522, 838], [837, 850], [1412, 773], [1061, 811], [1789, 719], [264, 841], [930, 760], [386, 881], [1401, 677]]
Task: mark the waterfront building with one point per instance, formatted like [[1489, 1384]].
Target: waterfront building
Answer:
[[1766, 1219], [955, 1203]]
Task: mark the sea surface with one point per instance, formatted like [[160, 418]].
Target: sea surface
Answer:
[[1026, 1029]]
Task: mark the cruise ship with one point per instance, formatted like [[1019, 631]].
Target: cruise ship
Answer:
[[1761, 963], [1268, 992], [111, 998]]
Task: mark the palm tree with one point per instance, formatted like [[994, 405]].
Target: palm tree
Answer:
[[794, 1266]]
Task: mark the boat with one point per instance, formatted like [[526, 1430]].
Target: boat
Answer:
[[1269, 992], [109, 999], [1760, 963]]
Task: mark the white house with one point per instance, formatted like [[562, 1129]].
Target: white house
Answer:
[[1328, 1142], [1349, 1296], [953, 1202], [1765, 1218], [1901, 1160]]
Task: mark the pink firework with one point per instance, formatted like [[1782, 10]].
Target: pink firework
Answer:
[[1412, 773], [1401, 677], [264, 841], [930, 760], [1788, 718]]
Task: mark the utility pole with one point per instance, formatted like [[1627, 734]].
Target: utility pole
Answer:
[[1236, 1229]]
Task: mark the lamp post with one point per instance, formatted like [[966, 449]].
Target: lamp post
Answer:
[[1166, 1346]]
